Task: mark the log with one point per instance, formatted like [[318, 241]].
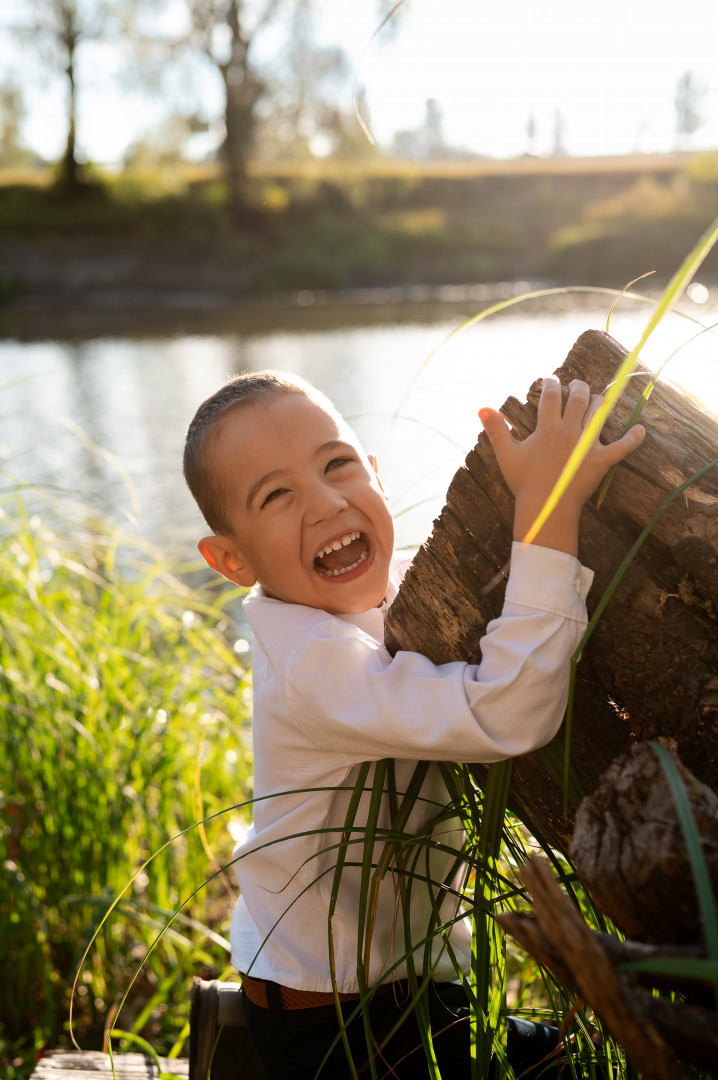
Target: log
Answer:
[[629, 850], [651, 667], [93, 1065]]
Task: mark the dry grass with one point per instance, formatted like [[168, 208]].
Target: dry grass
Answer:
[[338, 170]]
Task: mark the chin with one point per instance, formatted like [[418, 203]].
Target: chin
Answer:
[[365, 601]]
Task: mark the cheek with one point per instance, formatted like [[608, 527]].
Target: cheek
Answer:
[[279, 546], [387, 523]]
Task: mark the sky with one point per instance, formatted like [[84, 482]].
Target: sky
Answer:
[[609, 70]]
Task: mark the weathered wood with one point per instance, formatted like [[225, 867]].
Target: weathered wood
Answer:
[[561, 940], [94, 1065], [219, 1045], [651, 667], [656, 1033], [630, 853]]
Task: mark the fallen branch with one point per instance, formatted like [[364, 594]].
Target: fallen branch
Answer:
[[561, 941]]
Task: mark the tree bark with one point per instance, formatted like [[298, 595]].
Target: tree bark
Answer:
[[651, 667], [630, 852]]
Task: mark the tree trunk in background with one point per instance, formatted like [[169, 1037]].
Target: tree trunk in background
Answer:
[[69, 34], [70, 173], [243, 89], [651, 666]]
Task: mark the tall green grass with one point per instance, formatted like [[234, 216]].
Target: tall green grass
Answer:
[[118, 682]]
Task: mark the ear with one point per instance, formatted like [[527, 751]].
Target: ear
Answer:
[[223, 555], [375, 466]]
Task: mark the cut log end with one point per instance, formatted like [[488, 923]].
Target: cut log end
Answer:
[[630, 852]]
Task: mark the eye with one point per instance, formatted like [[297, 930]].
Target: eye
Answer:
[[336, 463], [273, 495]]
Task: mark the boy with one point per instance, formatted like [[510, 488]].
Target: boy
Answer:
[[297, 511]]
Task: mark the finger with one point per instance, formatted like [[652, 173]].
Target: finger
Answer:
[[497, 430], [549, 406], [579, 402], [617, 451], [595, 401]]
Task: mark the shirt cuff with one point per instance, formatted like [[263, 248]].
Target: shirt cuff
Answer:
[[548, 580]]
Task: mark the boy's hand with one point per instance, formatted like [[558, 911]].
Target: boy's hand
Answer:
[[532, 467]]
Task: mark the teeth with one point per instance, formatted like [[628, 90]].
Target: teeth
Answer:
[[345, 569], [343, 541]]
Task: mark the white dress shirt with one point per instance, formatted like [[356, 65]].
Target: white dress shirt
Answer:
[[328, 696]]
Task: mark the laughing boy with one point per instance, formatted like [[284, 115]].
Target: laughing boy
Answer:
[[298, 515]]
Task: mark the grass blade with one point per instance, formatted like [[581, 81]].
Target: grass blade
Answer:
[[699, 866], [614, 583], [593, 428]]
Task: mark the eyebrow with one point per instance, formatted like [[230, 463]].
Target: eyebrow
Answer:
[[275, 474], [266, 479], [333, 444]]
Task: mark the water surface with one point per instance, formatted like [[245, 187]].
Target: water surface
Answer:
[[132, 393]]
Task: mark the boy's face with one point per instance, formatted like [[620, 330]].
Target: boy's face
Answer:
[[309, 518]]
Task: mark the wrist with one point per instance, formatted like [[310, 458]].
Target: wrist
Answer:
[[559, 531]]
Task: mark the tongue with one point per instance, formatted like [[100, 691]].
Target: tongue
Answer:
[[345, 556]]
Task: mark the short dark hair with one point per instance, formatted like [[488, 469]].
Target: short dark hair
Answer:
[[238, 390]]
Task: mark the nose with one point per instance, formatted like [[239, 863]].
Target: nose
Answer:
[[324, 500]]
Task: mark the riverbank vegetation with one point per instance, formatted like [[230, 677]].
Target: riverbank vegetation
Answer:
[[336, 225], [125, 721]]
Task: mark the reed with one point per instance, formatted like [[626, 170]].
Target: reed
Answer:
[[117, 683]]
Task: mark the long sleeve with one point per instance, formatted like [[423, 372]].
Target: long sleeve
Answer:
[[348, 695]]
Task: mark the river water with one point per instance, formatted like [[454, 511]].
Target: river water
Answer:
[[99, 417]]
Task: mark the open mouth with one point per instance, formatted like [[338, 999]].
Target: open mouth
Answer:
[[342, 555]]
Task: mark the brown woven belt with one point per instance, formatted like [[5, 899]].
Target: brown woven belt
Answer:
[[256, 991]]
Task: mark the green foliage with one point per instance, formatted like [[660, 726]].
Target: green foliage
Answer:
[[116, 683], [658, 218], [317, 225], [131, 208]]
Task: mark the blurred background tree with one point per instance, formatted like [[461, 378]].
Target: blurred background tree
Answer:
[[225, 32], [57, 31], [13, 153], [688, 103], [281, 87], [298, 116]]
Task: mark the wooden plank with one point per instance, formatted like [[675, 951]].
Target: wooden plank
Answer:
[[94, 1065]]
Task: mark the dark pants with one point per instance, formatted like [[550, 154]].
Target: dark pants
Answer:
[[292, 1043]]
